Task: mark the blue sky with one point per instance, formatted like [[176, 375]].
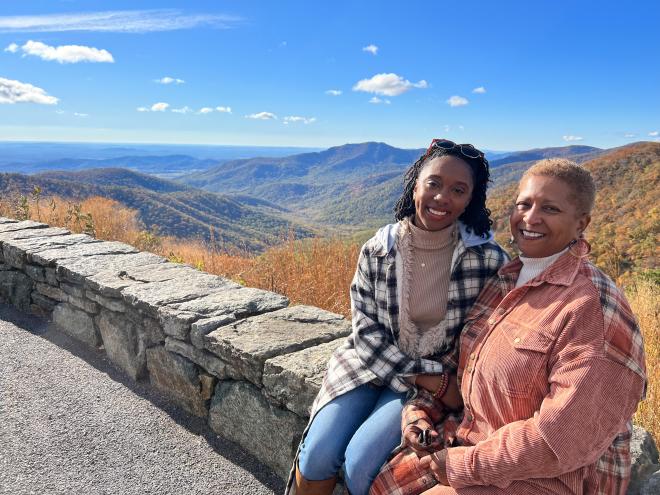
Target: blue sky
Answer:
[[503, 75]]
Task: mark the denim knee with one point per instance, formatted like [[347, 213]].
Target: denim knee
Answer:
[[320, 457]]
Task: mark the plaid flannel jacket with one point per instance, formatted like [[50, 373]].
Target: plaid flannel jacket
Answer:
[[564, 428], [370, 354]]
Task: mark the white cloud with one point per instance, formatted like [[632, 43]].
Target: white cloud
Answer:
[[12, 48], [66, 54], [262, 116], [333, 92], [480, 90], [629, 135], [653, 133], [205, 110], [160, 106], [572, 138], [295, 118], [462, 128], [375, 100], [60, 112], [373, 49], [169, 80], [183, 110], [387, 85], [223, 109], [457, 101], [117, 21], [447, 128], [12, 91], [83, 115]]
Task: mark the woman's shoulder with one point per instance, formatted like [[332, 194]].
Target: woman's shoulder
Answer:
[[383, 241]]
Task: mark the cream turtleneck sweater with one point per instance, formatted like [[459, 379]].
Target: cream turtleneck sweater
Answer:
[[426, 257], [533, 267]]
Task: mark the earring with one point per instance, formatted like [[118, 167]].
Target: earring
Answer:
[[512, 240]]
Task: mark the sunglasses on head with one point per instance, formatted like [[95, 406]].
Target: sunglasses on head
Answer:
[[466, 149]]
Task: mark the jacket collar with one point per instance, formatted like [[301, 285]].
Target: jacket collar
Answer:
[[562, 272], [386, 237]]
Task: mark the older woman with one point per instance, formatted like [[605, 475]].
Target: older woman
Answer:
[[551, 366], [415, 282]]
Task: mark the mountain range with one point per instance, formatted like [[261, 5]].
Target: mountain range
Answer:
[[252, 201]]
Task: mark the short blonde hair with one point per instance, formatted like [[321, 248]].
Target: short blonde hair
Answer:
[[576, 177]]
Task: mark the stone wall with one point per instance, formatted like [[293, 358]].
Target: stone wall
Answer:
[[237, 356]]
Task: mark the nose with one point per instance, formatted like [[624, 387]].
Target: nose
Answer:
[[440, 195], [532, 216]]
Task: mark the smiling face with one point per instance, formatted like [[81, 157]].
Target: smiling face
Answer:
[[442, 192], [545, 218]]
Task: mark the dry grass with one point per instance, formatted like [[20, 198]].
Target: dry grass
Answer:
[[317, 272], [644, 298]]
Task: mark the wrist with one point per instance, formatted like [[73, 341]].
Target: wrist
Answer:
[[442, 387]]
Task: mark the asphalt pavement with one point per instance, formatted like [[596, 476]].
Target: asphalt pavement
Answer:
[[70, 423]]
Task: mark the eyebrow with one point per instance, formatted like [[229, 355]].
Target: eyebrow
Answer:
[[440, 177]]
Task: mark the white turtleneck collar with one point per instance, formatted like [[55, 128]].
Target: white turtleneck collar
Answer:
[[533, 267]]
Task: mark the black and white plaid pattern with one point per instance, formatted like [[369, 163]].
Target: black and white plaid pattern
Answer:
[[370, 354]]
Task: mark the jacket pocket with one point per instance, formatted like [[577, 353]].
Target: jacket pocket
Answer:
[[518, 361]]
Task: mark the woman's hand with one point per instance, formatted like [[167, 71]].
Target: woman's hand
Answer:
[[437, 463], [413, 434]]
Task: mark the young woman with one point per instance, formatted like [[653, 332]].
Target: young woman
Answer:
[[415, 282], [551, 367]]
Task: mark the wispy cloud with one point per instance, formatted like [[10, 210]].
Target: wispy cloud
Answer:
[[480, 90], [169, 80], [295, 118], [161, 106], [117, 21], [205, 110], [223, 109], [12, 91], [65, 54], [82, 115], [629, 135], [387, 85], [572, 138], [262, 116], [333, 92], [457, 101], [182, 110], [373, 49], [375, 100], [653, 133]]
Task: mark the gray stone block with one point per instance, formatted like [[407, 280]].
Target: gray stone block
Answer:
[[16, 288], [77, 270], [240, 413], [85, 304], [644, 457], [293, 380], [201, 328], [73, 290], [52, 292], [246, 344], [122, 343], [110, 283], [204, 359], [16, 244], [178, 378], [14, 226], [238, 303], [76, 323], [188, 284], [44, 303], [36, 273], [651, 485], [176, 323], [116, 305]]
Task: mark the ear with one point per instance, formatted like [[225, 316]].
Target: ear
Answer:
[[415, 190], [583, 222]]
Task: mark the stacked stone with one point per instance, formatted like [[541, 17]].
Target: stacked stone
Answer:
[[238, 356]]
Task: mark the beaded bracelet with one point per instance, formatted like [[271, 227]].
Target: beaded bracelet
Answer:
[[442, 388]]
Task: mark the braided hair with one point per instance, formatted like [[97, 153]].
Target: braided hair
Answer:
[[476, 216]]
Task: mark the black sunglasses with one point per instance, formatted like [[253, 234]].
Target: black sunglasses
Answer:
[[466, 149]]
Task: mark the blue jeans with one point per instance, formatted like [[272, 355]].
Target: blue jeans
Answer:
[[358, 429]]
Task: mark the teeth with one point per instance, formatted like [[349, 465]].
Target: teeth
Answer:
[[436, 212], [528, 233]]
